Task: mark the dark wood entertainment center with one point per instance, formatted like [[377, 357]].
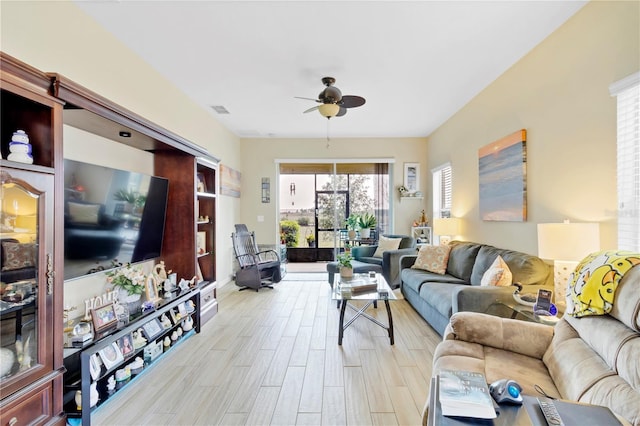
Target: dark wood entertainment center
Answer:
[[38, 103]]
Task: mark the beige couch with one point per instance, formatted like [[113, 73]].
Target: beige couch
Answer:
[[592, 359]]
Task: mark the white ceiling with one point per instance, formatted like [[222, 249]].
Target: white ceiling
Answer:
[[415, 62]]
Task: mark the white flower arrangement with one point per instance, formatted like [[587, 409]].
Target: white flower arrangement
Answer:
[[128, 278]]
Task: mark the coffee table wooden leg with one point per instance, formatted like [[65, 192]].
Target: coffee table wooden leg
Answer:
[[386, 303], [341, 329]]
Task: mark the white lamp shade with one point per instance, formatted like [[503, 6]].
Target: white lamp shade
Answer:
[[329, 110], [446, 226], [567, 241]]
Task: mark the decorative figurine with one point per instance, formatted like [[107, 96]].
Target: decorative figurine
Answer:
[[138, 339], [179, 331], [166, 322], [188, 324], [94, 396], [111, 383], [174, 337], [20, 148], [166, 343]]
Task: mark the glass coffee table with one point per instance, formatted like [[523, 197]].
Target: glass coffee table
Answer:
[[377, 289]]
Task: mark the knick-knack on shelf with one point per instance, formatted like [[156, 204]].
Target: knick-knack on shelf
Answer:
[[20, 148]]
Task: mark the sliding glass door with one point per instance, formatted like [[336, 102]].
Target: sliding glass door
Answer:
[[316, 198]]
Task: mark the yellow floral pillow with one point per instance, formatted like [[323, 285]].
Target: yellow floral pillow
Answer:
[[433, 259]]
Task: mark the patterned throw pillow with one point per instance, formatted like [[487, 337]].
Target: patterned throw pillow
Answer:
[[498, 274], [18, 256], [433, 259], [386, 243]]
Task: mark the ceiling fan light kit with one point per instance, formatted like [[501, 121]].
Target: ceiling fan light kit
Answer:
[[329, 110], [333, 104]]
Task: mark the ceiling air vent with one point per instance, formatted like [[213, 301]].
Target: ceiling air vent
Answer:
[[219, 109]]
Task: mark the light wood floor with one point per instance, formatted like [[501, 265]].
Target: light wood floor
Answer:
[[272, 357]]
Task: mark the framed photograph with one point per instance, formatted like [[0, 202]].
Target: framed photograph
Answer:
[[201, 242], [94, 366], [151, 288], [174, 317], [111, 355], [104, 317], [125, 343], [202, 186], [182, 310], [412, 176], [152, 328]]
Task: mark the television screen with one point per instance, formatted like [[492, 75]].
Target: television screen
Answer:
[[111, 217]]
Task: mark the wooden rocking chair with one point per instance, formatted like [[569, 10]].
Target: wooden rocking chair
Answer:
[[258, 269]]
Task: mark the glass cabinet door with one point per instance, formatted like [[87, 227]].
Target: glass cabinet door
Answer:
[[26, 275]]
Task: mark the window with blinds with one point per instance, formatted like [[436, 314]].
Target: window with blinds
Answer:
[[627, 92], [442, 191]]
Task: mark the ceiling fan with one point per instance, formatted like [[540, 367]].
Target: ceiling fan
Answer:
[[332, 102]]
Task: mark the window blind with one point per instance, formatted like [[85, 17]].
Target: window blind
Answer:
[[442, 191], [627, 92]]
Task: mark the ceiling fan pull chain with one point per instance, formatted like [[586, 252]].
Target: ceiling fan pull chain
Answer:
[[328, 139]]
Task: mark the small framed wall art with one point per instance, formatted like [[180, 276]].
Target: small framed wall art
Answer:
[[152, 328], [412, 176], [202, 186]]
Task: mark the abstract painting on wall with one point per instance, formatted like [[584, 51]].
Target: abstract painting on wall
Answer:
[[230, 181], [503, 179]]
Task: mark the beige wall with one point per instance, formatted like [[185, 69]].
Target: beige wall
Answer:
[[260, 162], [59, 37], [559, 94]]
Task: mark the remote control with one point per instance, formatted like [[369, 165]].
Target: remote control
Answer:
[[550, 413]]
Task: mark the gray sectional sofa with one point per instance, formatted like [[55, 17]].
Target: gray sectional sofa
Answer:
[[436, 297]]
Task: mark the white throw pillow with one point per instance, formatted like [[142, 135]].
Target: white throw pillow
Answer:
[[385, 244], [498, 274], [84, 213]]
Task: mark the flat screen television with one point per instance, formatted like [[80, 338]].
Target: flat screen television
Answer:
[[111, 217]]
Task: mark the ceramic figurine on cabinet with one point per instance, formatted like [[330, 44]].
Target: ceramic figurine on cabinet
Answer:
[[179, 331], [111, 383], [188, 323], [166, 322], [138, 339], [20, 148], [166, 343], [94, 396]]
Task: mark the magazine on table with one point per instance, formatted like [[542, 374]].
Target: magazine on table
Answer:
[[465, 394]]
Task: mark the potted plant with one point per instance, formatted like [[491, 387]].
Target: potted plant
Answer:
[[311, 240], [352, 223], [346, 268], [367, 221]]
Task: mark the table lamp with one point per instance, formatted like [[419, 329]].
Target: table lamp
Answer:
[[566, 244], [446, 227]]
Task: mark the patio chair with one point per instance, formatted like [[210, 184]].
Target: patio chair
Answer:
[[258, 269]]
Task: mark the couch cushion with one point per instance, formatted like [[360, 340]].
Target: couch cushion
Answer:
[[526, 269], [461, 259], [498, 274], [439, 296], [432, 258], [386, 243]]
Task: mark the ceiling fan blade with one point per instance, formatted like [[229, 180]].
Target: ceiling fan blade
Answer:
[[351, 101], [308, 99], [311, 109], [342, 112]]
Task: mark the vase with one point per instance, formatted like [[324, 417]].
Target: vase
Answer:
[[365, 233], [352, 234], [346, 272], [133, 301]]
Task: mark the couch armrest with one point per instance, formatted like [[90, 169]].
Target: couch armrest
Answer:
[[526, 338], [391, 265], [480, 298], [407, 261], [363, 251]]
